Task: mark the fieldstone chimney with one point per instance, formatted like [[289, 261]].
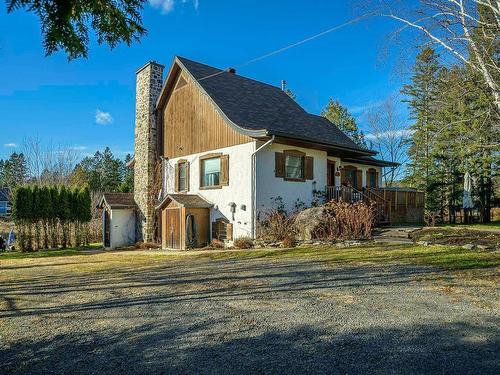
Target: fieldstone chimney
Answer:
[[149, 81]]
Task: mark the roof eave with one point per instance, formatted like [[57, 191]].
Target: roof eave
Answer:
[[332, 145]]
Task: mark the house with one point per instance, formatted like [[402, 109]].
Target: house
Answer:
[[5, 202], [214, 150]]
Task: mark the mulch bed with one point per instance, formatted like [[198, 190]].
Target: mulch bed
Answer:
[[454, 236]]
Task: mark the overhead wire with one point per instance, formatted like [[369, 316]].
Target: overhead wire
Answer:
[[290, 46]]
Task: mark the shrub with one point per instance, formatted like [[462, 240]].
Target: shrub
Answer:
[[243, 243], [347, 221], [217, 244], [276, 226], [289, 241], [147, 245]]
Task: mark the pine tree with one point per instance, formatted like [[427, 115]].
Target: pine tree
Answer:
[[44, 205], [421, 96], [53, 216], [339, 116], [63, 215], [36, 217]]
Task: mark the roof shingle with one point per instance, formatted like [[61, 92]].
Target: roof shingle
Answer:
[[254, 106]]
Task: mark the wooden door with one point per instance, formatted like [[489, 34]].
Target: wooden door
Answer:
[[173, 228], [107, 234]]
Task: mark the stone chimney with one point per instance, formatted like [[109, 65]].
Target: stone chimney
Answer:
[[149, 81]]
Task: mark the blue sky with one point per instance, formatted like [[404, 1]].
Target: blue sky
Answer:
[[89, 104]]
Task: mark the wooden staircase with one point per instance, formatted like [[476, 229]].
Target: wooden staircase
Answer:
[[369, 196]]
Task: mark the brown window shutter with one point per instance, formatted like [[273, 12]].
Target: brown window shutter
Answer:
[[224, 170], [279, 164], [176, 183], [309, 168], [187, 176], [359, 179]]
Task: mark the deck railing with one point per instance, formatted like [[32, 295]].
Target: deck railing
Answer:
[[352, 195]]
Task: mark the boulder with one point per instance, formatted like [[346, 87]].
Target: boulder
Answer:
[[308, 221], [469, 246]]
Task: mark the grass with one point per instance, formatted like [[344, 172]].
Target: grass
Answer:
[[50, 253], [492, 225], [446, 257]]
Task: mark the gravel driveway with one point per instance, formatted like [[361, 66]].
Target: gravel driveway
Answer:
[[196, 315]]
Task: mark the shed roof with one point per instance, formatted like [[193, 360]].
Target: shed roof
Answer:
[[186, 200], [117, 200]]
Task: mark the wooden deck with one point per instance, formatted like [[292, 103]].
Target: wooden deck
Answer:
[[394, 206]]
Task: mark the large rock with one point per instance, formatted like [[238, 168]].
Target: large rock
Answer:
[[308, 221]]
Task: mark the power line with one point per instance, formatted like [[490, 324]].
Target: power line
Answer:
[[290, 46]]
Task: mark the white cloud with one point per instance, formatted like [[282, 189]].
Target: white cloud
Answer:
[[10, 145], [78, 148], [390, 134], [103, 118], [167, 6]]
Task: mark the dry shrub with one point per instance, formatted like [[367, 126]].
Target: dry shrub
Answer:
[[276, 226], [347, 221], [216, 244], [431, 218], [289, 241], [243, 243], [495, 214], [147, 245]]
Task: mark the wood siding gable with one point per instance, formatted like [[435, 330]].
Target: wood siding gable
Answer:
[[191, 123]]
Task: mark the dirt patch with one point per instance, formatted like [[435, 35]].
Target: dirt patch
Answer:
[[456, 236]]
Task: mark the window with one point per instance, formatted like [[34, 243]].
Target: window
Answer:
[[3, 208], [350, 177], [372, 178], [183, 177], [294, 167], [210, 172]]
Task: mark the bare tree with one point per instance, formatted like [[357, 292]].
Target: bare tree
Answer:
[[454, 25], [48, 165], [389, 136]]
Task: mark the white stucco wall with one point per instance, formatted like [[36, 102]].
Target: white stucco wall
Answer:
[[122, 231], [269, 187], [238, 191]]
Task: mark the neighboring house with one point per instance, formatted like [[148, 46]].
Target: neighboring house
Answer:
[[5, 201], [229, 146]]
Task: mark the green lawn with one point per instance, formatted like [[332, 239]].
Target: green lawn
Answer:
[[50, 253], [445, 257], [492, 225]]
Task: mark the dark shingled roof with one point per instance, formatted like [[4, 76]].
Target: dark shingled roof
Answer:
[[117, 200], [256, 106], [186, 200]]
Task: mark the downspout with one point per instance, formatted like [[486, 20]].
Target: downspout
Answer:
[[254, 195]]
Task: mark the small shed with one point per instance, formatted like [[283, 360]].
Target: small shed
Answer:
[[185, 221], [118, 219]]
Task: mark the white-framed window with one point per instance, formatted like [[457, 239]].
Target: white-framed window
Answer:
[[210, 172]]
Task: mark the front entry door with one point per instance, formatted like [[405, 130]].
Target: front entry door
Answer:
[[173, 228], [107, 236], [331, 173]]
